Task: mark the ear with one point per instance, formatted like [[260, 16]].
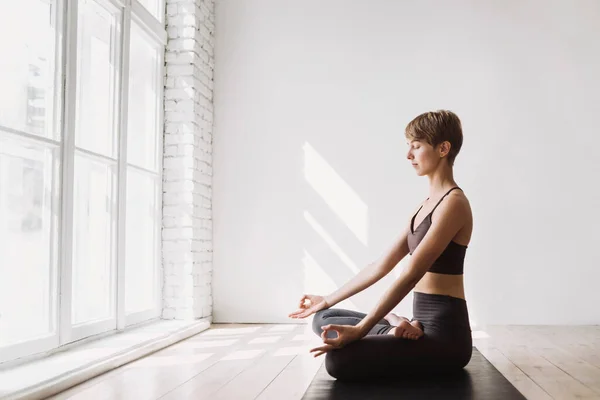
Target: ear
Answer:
[[444, 148]]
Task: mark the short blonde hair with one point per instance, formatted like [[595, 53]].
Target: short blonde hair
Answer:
[[436, 127]]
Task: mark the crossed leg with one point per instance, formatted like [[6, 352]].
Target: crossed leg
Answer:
[[380, 354], [392, 324], [339, 316], [404, 328]]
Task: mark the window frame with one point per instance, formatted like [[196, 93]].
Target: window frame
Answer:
[[65, 17]]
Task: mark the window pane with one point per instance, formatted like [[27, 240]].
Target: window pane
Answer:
[[156, 8], [27, 67], [142, 131], [27, 283], [94, 213], [96, 79], [142, 242]]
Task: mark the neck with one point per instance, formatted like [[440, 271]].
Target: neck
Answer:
[[441, 180]]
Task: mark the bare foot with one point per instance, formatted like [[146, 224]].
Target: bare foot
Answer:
[[407, 330], [393, 319]]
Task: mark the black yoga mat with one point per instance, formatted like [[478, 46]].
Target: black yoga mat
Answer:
[[478, 380]]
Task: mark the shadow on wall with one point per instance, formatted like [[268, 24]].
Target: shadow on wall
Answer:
[[304, 216], [333, 201], [337, 239]]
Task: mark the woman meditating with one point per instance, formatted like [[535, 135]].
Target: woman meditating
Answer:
[[438, 338]]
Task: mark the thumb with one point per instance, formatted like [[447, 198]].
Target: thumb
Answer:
[[332, 327], [302, 299]]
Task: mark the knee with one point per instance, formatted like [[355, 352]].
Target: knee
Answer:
[[333, 364], [337, 367], [319, 321], [466, 357]]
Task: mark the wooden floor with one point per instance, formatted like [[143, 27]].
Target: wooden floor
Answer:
[[240, 362]]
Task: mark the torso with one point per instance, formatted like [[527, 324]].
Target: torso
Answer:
[[444, 284], [449, 285]]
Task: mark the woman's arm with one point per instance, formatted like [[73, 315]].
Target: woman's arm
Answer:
[[450, 217], [372, 273]]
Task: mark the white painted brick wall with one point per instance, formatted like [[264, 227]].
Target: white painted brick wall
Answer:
[[187, 181]]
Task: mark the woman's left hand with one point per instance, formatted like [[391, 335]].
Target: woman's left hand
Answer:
[[346, 334]]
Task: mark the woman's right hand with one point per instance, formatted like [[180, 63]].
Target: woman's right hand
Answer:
[[310, 304]]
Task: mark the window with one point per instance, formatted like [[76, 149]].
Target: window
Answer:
[[143, 173], [155, 7], [80, 196], [95, 166], [27, 233], [28, 76]]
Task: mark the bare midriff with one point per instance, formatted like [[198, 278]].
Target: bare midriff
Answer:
[[444, 284]]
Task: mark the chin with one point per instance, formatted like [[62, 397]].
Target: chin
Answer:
[[420, 172]]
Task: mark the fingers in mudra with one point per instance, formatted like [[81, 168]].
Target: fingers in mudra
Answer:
[[332, 335], [309, 304], [303, 302]]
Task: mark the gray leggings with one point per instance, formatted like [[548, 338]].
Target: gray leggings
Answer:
[[338, 316], [445, 346]]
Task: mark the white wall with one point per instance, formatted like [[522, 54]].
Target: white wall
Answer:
[[310, 176]]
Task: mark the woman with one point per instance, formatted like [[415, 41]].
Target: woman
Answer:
[[380, 344]]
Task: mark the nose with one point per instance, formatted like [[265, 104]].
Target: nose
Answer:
[[409, 154]]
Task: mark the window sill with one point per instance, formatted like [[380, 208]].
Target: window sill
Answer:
[[63, 369]]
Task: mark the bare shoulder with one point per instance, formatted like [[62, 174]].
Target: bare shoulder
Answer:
[[456, 206], [461, 199]]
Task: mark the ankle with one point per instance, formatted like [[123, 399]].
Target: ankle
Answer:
[[417, 324]]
